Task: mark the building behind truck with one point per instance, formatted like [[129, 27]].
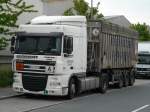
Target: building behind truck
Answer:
[[43, 7], [66, 55], [143, 65]]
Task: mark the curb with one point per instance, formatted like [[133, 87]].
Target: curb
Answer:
[[10, 96]]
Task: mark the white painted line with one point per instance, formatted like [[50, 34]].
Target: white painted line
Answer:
[[141, 108]]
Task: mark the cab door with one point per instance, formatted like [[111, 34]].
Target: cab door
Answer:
[[68, 54]]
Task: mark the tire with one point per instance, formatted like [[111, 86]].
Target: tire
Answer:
[[126, 80], [103, 83], [71, 89], [120, 83], [132, 78]]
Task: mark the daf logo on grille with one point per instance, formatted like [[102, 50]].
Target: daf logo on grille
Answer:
[[50, 69]]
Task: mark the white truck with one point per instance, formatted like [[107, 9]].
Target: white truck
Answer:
[[66, 55], [143, 65]]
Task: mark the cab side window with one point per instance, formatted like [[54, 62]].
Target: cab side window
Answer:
[[68, 45]]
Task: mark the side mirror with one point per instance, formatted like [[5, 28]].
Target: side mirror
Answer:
[[12, 49], [13, 41]]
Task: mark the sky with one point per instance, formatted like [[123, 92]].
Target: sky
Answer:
[[134, 10]]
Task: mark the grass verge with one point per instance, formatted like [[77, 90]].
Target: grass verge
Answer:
[[6, 77]]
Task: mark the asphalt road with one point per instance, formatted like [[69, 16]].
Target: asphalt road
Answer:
[[130, 99]]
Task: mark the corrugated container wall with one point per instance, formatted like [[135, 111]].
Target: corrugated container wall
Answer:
[[110, 46]]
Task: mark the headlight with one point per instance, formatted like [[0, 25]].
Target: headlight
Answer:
[[54, 81], [54, 84]]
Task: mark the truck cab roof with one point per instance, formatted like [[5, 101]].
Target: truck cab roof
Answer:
[[144, 47], [57, 19]]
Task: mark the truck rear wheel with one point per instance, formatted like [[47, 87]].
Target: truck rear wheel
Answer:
[[71, 89], [126, 80], [131, 78], [103, 83], [120, 82]]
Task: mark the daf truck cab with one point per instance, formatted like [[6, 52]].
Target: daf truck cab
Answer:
[[143, 65], [48, 52]]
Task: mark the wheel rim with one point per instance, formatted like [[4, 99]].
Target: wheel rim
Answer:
[[105, 85], [121, 83], [127, 81], [73, 90], [132, 80]]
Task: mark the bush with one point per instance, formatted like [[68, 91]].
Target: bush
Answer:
[[3, 43], [6, 77]]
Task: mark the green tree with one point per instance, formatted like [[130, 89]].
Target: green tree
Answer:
[[10, 10], [142, 29], [82, 8]]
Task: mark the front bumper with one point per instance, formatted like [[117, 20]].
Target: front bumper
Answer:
[[50, 92], [142, 73], [52, 86]]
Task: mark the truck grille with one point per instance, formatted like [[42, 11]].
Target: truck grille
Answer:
[[37, 66], [34, 82], [39, 62], [143, 69]]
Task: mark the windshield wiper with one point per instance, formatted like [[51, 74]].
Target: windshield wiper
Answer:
[[38, 52]]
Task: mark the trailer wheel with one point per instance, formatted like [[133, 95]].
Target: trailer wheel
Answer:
[[126, 80], [71, 89], [131, 78], [103, 83], [120, 82]]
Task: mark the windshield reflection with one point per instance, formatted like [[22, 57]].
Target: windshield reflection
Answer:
[[50, 45], [143, 59]]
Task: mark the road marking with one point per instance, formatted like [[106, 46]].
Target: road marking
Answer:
[[141, 108]]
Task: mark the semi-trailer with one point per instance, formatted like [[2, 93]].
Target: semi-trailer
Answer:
[[66, 55]]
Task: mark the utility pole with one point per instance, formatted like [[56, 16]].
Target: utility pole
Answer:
[[91, 9]]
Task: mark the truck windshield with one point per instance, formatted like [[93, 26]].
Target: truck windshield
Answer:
[[144, 59], [42, 45]]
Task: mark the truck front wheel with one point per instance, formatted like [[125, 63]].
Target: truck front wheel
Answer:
[[103, 83], [71, 89]]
